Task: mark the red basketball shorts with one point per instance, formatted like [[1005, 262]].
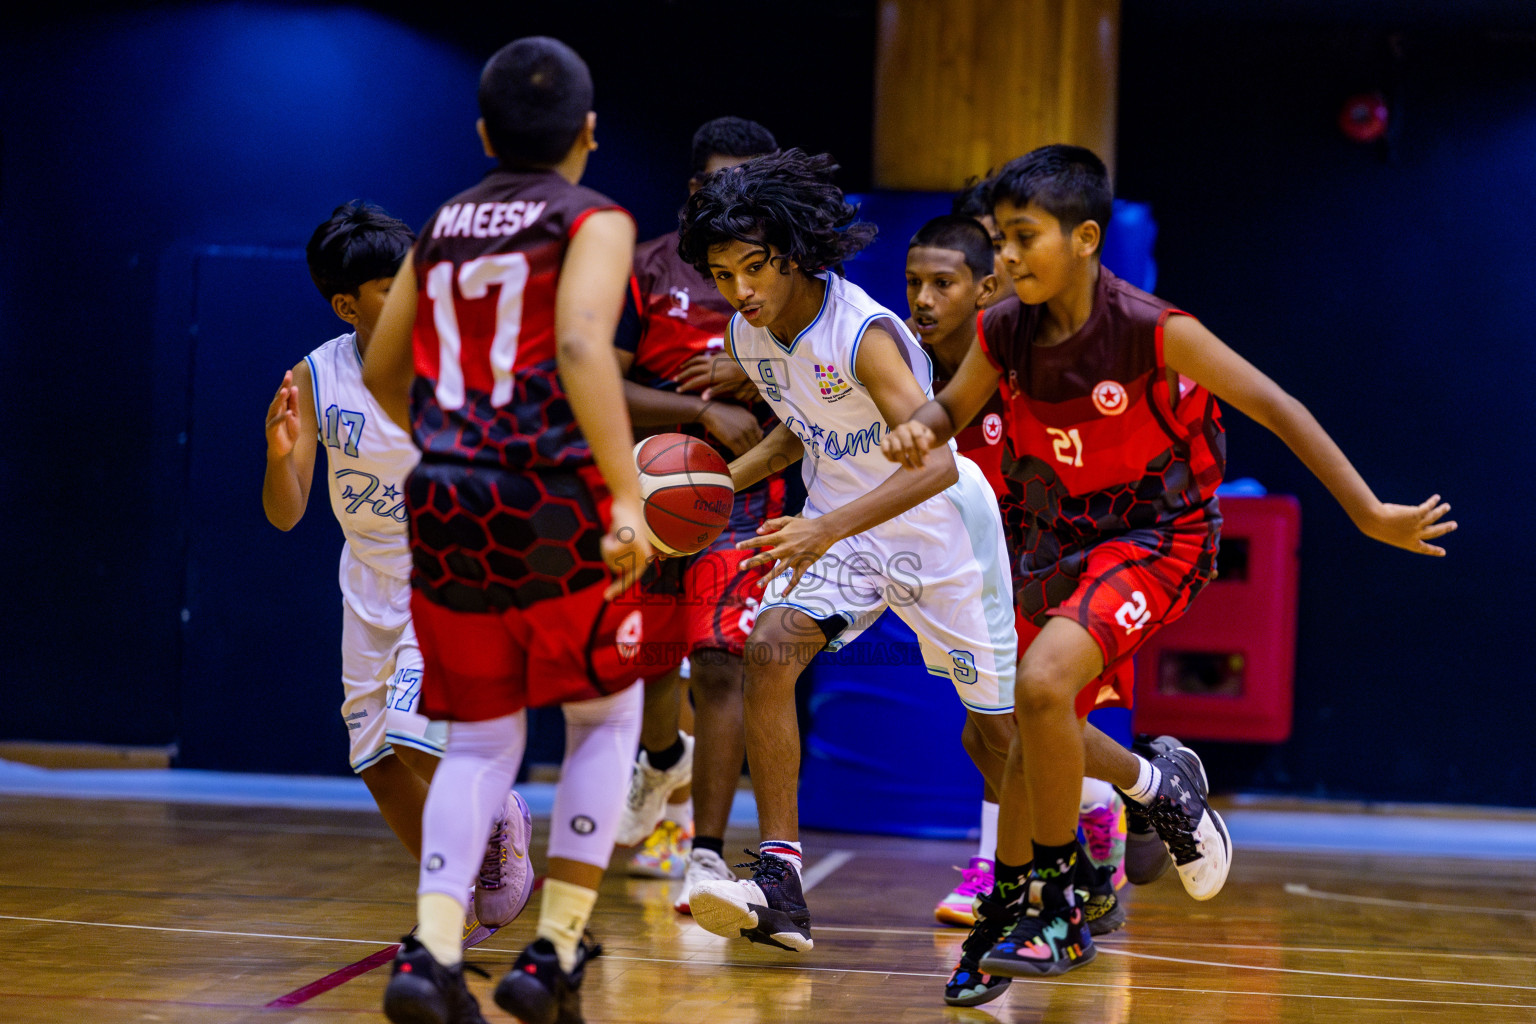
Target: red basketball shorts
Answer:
[[481, 665], [1130, 586]]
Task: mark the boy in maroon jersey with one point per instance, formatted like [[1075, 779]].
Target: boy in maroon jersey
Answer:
[[950, 277], [1117, 448], [495, 347], [673, 327]]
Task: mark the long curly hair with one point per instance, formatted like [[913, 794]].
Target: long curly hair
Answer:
[[784, 200]]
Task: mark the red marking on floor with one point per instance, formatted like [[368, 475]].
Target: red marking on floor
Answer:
[[334, 979]]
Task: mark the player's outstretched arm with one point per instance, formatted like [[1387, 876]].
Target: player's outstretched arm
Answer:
[[773, 454], [387, 365], [1192, 350], [593, 279], [291, 439], [939, 420], [797, 542]]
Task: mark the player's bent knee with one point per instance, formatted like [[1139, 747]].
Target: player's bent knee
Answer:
[[1041, 692]]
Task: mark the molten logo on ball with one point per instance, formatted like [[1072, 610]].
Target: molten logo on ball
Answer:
[[687, 490]]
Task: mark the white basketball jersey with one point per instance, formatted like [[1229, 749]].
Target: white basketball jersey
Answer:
[[368, 458], [812, 386]]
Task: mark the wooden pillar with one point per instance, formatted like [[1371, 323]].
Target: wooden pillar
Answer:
[[962, 86]]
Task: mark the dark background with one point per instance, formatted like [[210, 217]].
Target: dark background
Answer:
[[163, 164]]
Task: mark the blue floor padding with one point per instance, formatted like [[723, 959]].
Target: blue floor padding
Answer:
[[1303, 831]]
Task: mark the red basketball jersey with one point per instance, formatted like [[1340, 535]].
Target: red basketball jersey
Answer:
[[487, 267], [981, 440], [1101, 440]]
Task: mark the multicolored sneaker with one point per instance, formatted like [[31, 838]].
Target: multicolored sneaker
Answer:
[[649, 788], [664, 854], [1194, 833], [1095, 890], [1103, 828], [1050, 938], [538, 991], [506, 873], [1146, 858], [968, 985], [421, 990], [769, 907], [956, 908], [703, 866]]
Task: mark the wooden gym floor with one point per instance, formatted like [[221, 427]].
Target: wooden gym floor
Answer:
[[116, 911]]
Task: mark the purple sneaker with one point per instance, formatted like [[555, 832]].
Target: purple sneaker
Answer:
[[959, 907]]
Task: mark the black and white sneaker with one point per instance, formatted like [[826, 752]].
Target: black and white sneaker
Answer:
[[1146, 858], [1194, 834], [968, 984], [769, 907], [423, 991], [537, 990]]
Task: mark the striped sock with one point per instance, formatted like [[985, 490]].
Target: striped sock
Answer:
[[782, 849]]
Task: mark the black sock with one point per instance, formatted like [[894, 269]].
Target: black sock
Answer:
[[712, 843], [661, 760], [1008, 881], [1057, 865]]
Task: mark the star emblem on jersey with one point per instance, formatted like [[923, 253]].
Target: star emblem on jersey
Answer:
[[831, 383], [992, 428], [1109, 397]]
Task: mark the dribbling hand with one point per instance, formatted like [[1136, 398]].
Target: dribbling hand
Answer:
[[1410, 527], [283, 419], [908, 444], [626, 551]]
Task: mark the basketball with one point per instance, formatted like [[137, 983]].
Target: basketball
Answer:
[[686, 488]]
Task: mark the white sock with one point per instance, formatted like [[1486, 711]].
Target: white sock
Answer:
[[563, 916], [1148, 779], [1095, 792], [440, 926], [783, 849], [682, 813], [987, 848]]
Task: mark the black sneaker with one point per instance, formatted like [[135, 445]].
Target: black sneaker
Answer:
[[968, 985], [769, 907], [1050, 938], [1194, 834], [1095, 890], [538, 991], [1146, 858], [423, 991]]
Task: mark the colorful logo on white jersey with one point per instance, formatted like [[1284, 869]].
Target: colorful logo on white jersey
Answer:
[[992, 427], [831, 383], [1109, 397]]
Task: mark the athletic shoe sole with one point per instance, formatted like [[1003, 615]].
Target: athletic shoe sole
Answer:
[[986, 994], [1011, 968], [731, 915], [945, 914]]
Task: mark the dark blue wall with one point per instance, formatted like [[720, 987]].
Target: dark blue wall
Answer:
[[1393, 290]]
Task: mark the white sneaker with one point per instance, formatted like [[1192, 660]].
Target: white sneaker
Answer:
[[703, 866], [506, 873], [1189, 827], [646, 803]]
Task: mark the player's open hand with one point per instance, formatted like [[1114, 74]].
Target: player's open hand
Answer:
[[735, 426], [283, 420], [787, 542], [625, 548], [716, 376], [908, 444], [1411, 527]]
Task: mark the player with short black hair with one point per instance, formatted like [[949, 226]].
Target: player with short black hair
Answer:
[[525, 504], [1117, 449]]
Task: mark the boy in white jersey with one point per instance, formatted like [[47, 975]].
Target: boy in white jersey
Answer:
[[352, 259], [837, 367]]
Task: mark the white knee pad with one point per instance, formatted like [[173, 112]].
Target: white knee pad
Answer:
[[600, 740]]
